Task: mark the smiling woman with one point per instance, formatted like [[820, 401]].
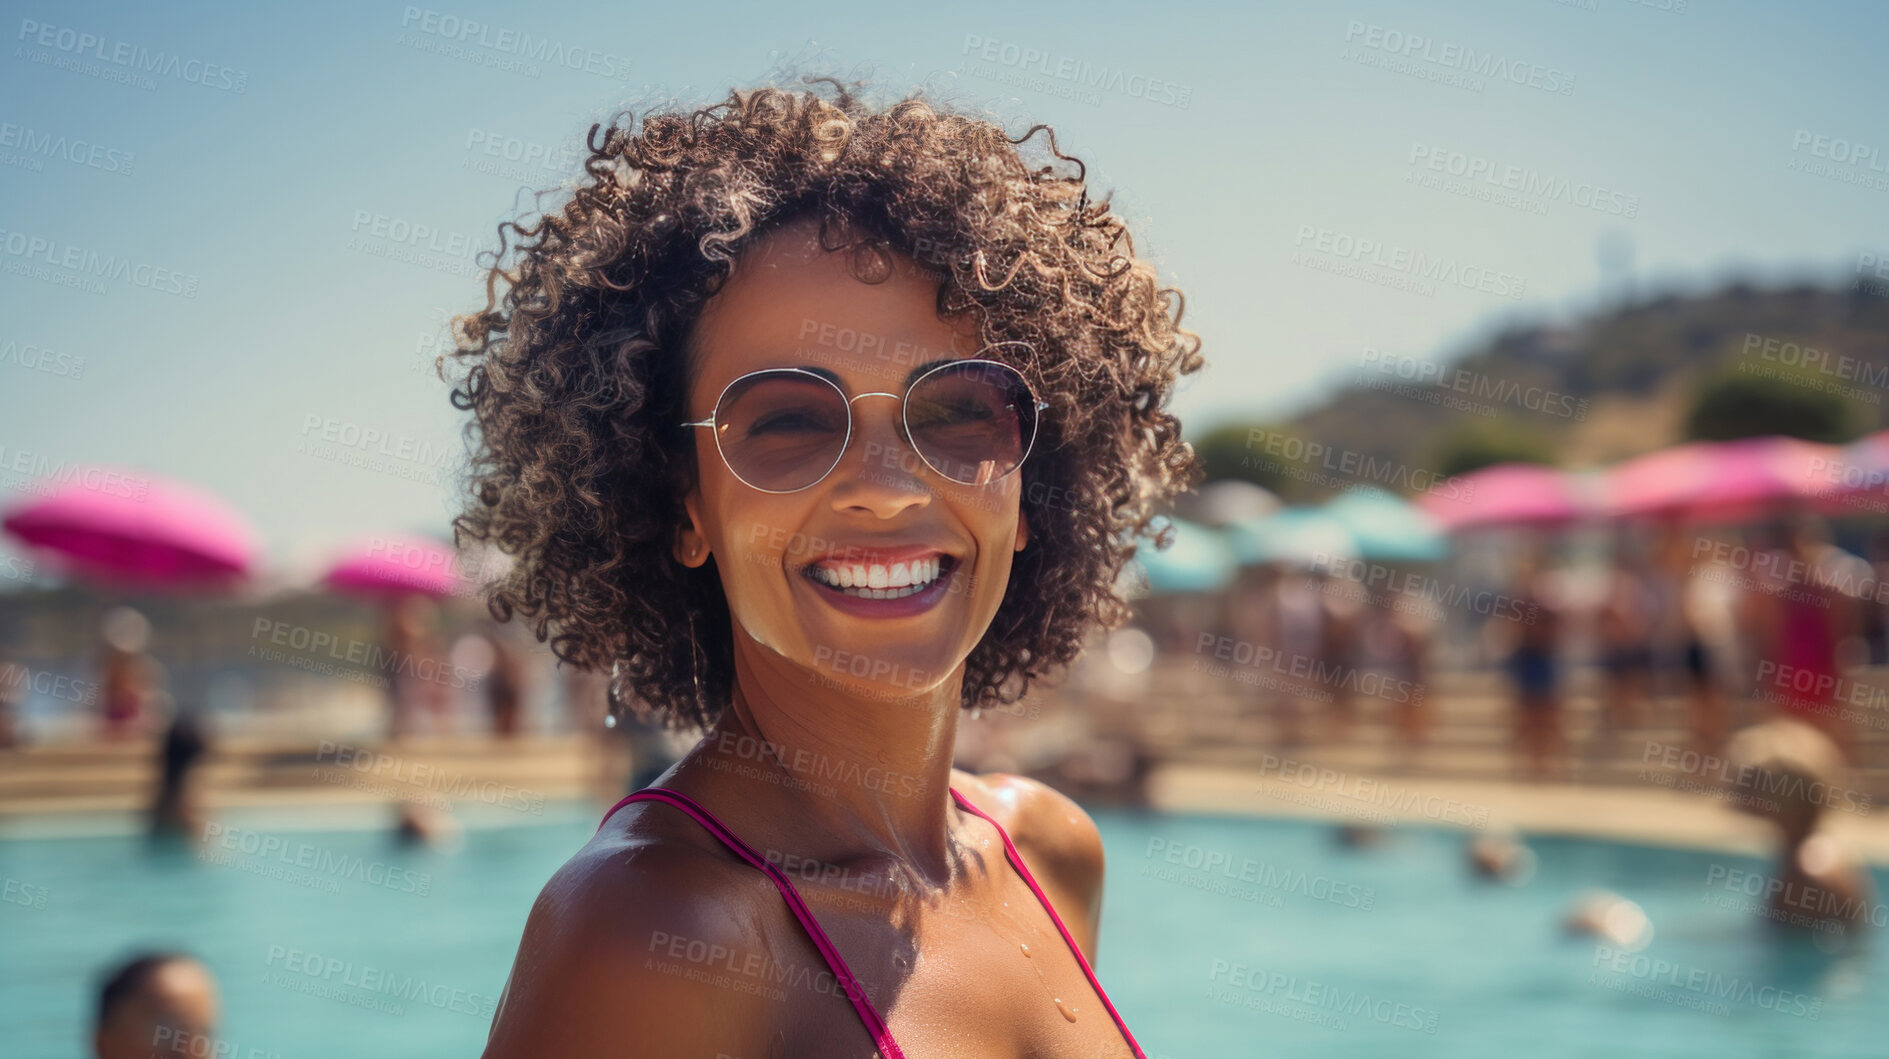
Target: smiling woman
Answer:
[[821, 552]]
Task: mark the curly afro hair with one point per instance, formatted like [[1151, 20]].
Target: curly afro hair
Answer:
[[577, 376]]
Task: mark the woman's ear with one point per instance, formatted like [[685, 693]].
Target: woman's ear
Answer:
[[691, 545], [1023, 531]]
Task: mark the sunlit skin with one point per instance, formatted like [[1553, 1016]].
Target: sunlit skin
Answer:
[[951, 946], [173, 1014]]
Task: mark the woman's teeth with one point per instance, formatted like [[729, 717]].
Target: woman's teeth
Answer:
[[879, 581]]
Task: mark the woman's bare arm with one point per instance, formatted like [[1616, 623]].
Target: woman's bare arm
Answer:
[[626, 954]]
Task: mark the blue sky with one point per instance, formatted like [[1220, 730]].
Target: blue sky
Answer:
[[356, 124]]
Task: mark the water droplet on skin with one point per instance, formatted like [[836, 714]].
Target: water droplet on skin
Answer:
[[1068, 1012], [1025, 947]]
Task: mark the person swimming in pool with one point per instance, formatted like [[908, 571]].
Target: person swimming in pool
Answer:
[[157, 1005], [1790, 772], [823, 426]]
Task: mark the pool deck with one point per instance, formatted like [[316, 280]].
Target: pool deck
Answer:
[[1648, 815]]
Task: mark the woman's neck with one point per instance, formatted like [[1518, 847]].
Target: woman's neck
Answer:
[[859, 774]]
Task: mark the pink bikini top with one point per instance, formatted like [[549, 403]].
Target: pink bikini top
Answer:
[[881, 1035]]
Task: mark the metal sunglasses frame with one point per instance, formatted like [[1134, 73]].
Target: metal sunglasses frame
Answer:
[[904, 425]]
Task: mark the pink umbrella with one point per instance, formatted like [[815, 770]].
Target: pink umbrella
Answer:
[[1507, 494], [1858, 476], [1724, 481], [396, 564], [129, 526]]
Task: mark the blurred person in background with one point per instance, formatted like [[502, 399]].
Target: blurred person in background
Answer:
[[1530, 640], [1806, 613], [1789, 773], [1395, 641], [176, 810], [505, 676], [1304, 640], [1710, 602], [14, 680], [1624, 626], [157, 1005], [417, 656], [1875, 610], [130, 675], [1251, 614]]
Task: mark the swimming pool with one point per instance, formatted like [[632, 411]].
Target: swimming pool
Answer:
[[1247, 937]]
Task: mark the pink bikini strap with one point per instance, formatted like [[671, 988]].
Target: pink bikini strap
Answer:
[[881, 1035], [1016, 860]]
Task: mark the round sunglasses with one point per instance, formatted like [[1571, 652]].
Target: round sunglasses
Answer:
[[781, 430]]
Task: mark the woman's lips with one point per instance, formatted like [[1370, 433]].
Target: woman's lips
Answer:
[[897, 594]]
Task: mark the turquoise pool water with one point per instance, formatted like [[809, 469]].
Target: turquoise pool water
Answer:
[[1322, 951]]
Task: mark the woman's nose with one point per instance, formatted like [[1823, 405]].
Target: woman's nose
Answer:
[[881, 473]]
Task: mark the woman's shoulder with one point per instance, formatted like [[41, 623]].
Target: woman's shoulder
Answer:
[[626, 941], [1057, 838]]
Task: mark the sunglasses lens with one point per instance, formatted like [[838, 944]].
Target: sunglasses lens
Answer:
[[973, 422], [781, 431]]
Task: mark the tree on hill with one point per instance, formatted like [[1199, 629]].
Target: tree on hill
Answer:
[[1742, 404], [1227, 453], [1483, 443]]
